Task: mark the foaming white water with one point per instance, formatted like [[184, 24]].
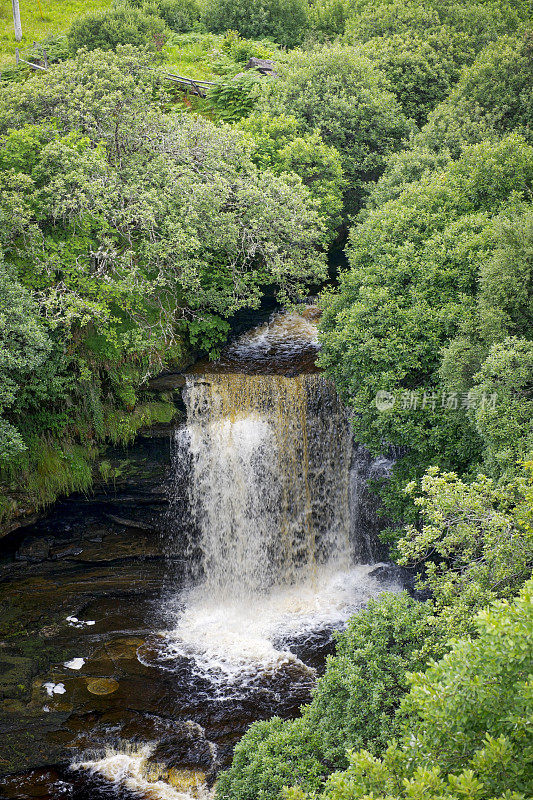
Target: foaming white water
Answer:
[[284, 338], [130, 769], [229, 638]]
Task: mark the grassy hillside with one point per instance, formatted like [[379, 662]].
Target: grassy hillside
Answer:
[[40, 18]]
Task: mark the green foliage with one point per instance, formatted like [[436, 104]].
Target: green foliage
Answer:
[[474, 539], [120, 25], [327, 18], [279, 145], [339, 92], [234, 98], [506, 425], [411, 286], [421, 68], [24, 345], [354, 704], [41, 22], [506, 291], [282, 20], [355, 701], [496, 368], [272, 754], [477, 22], [468, 721], [180, 15], [492, 98], [128, 242], [241, 50]]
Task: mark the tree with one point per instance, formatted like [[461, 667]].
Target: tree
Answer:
[[280, 145], [353, 703], [412, 283], [493, 97], [504, 411], [421, 67], [474, 540], [138, 234], [120, 25], [282, 20], [339, 93], [272, 754], [24, 346], [468, 721]]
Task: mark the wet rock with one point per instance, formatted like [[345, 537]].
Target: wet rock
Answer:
[[101, 686], [65, 551], [16, 673], [130, 523], [388, 573], [34, 550], [186, 748], [167, 381]]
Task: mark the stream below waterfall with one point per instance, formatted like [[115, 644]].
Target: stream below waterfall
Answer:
[[266, 555]]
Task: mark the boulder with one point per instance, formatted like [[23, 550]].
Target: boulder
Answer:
[[262, 65]]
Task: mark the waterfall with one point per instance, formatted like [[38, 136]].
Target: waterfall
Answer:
[[268, 488], [269, 479]]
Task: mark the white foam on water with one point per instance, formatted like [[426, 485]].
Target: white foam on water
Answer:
[[74, 663], [230, 638], [283, 335], [130, 769], [74, 622], [54, 688]]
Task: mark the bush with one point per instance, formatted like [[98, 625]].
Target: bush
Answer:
[[181, 16], [468, 730], [412, 285], [285, 21], [272, 754], [105, 30], [339, 92], [354, 704]]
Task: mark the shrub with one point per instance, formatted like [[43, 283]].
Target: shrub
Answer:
[[354, 704], [105, 30], [283, 20], [468, 729], [340, 92], [180, 15]]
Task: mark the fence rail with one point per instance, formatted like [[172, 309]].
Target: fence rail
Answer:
[[189, 85]]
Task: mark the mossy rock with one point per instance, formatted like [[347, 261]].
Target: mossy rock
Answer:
[[16, 673]]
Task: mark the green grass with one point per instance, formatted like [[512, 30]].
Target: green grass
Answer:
[[40, 19], [193, 54]]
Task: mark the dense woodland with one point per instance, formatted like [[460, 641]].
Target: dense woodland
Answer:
[[135, 221]]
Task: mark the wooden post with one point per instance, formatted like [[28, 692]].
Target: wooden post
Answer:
[[16, 20]]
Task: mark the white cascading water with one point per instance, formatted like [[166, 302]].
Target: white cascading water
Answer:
[[268, 463]]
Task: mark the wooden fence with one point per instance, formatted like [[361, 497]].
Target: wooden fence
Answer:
[[189, 85]]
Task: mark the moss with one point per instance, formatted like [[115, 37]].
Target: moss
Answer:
[[51, 468], [123, 426]]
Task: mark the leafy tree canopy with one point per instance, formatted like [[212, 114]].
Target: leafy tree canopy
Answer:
[[338, 92]]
